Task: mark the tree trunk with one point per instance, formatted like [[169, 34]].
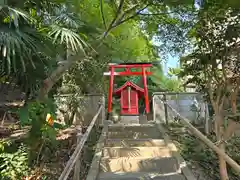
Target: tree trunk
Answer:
[[219, 134], [234, 101], [49, 82], [222, 164], [233, 125]]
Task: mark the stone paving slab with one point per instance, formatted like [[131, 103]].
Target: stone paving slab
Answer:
[[115, 152], [134, 142], [140, 176], [139, 164]]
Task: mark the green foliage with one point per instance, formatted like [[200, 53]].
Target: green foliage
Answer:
[[36, 110], [17, 40], [31, 37], [4, 143], [200, 155], [205, 157], [165, 83], [125, 43], [213, 59], [14, 165], [34, 114]]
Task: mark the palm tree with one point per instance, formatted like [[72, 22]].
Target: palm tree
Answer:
[[29, 40], [21, 47]]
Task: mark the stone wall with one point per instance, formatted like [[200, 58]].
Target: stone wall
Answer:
[[189, 105], [78, 110]]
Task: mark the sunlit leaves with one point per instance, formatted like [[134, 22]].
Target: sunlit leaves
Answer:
[[216, 40], [13, 165], [163, 82], [64, 28]]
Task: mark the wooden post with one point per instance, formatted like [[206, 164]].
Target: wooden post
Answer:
[[154, 108], [206, 117], [165, 108], [145, 90], [110, 91], [103, 109], [75, 156], [129, 98], [77, 168]]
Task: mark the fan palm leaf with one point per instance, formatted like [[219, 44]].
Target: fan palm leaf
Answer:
[[62, 15], [68, 37], [18, 44], [66, 28], [15, 16], [19, 40]]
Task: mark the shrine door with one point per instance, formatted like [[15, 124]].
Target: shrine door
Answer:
[[129, 102]]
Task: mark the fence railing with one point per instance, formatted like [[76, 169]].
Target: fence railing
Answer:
[[191, 105], [201, 136], [74, 160]]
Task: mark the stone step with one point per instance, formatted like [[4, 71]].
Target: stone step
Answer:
[[135, 127], [134, 132], [115, 152], [139, 164], [134, 142], [140, 176], [134, 135]]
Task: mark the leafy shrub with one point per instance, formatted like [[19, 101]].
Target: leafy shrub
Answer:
[[36, 111], [34, 115], [13, 164], [195, 151]]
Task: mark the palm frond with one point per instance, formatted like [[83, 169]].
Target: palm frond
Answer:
[[63, 16], [18, 45], [67, 37], [13, 16]]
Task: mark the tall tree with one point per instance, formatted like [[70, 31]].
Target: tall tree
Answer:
[[215, 63], [123, 11]]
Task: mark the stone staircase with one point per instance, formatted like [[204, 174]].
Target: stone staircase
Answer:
[[136, 152]]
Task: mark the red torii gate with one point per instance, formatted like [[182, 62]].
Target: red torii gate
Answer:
[[128, 72]]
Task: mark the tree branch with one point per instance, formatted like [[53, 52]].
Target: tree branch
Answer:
[[232, 127], [102, 14], [114, 19], [130, 17], [57, 74], [113, 5], [210, 91], [128, 11], [155, 14], [219, 93]]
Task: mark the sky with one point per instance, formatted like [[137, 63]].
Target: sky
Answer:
[[171, 62]]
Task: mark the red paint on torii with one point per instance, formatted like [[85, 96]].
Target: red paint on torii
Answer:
[[127, 72]]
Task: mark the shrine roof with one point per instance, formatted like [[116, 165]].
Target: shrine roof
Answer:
[[127, 84]]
